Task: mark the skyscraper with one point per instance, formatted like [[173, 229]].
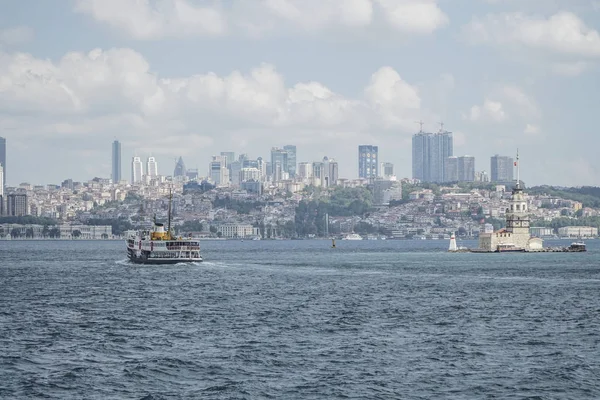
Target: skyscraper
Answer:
[[152, 167], [430, 154], [290, 149], [501, 168], [137, 170], [466, 169], [3, 158], [180, 170], [230, 157], [1, 181], [368, 162], [116, 161], [17, 205], [218, 171], [279, 163], [451, 169]]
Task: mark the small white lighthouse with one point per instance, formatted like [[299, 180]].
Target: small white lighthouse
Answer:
[[453, 246]]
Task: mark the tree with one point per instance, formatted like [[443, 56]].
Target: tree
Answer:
[[76, 233], [29, 233], [219, 234], [213, 229], [15, 233], [104, 236], [54, 233]]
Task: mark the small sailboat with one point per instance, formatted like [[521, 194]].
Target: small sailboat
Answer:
[[333, 243]]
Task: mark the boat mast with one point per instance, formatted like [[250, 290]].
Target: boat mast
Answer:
[[169, 214]]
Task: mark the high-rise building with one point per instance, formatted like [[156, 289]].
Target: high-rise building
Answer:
[[234, 169], [152, 167], [116, 162], [460, 169], [3, 158], [451, 169], [466, 169], [368, 162], [217, 170], [1, 181], [179, 170], [430, 152], [501, 168], [16, 205], [386, 169], [318, 173], [290, 149], [137, 170], [230, 157], [279, 157], [333, 173], [305, 170]]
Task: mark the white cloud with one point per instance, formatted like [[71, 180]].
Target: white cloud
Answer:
[[570, 69], [504, 101], [16, 35], [423, 16], [165, 18], [142, 19], [562, 33], [519, 100], [490, 111], [97, 94], [531, 129]]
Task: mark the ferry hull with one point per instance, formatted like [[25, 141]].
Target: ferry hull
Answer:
[[131, 255]]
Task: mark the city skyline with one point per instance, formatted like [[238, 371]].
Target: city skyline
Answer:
[[462, 167], [323, 77]]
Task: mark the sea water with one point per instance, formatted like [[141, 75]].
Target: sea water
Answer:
[[298, 319]]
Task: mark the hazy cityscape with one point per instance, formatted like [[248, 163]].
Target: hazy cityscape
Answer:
[[282, 196]]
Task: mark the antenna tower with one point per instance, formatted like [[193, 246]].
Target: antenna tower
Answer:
[[421, 123]]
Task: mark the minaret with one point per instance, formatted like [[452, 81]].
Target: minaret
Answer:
[[517, 216]]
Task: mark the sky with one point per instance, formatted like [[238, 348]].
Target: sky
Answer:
[[192, 78]]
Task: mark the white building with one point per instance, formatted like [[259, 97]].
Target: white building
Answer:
[[577, 231], [151, 167], [218, 172], [137, 170], [305, 171], [247, 174], [237, 231]]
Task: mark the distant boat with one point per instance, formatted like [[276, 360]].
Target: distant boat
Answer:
[[160, 246], [576, 247], [352, 236]]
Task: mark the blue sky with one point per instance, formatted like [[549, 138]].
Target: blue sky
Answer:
[[194, 78]]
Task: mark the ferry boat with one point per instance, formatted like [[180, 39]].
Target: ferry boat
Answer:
[[352, 236], [160, 246], [577, 247]]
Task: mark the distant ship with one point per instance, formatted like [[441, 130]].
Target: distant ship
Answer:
[[352, 236], [158, 246]]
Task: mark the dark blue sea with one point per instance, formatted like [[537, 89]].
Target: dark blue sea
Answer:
[[298, 320]]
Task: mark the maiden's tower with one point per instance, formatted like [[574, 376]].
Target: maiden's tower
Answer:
[[516, 236]]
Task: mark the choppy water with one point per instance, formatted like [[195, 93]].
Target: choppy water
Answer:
[[296, 319]]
